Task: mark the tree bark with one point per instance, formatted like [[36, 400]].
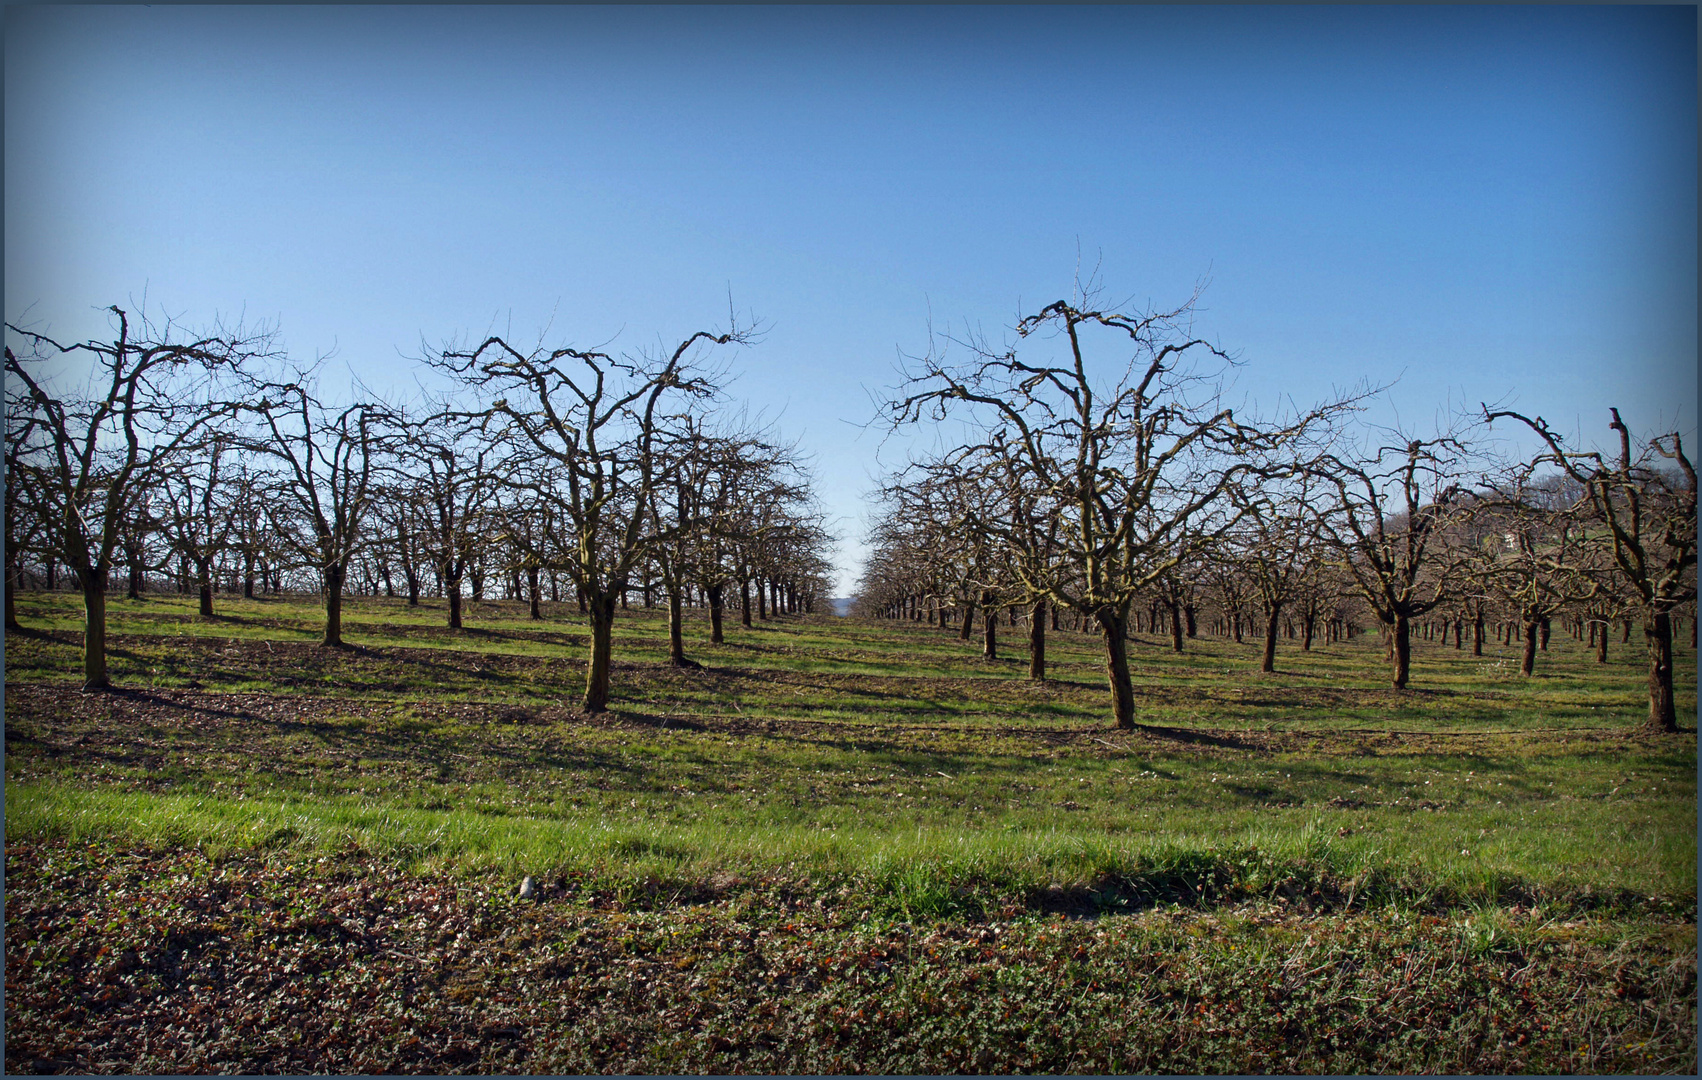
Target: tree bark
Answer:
[[716, 592], [1175, 626], [1267, 663], [989, 631], [1037, 641], [1114, 625], [676, 627], [204, 587], [452, 592], [1528, 661], [93, 584], [536, 592], [1657, 632], [334, 576], [968, 619], [1400, 652], [602, 612], [1477, 635], [745, 603]]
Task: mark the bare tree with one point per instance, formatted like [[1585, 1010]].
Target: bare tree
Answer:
[[1278, 546], [326, 458], [1391, 506], [1649, 515], [1534, 559], [1137, 461], [93, 447], [199, 514], [28, 516], [595, 418], [453, 480]]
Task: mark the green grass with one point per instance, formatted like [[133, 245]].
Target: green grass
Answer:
[[807, 740], [841, 846]]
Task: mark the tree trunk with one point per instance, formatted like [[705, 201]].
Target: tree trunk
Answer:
[[745, 603], [452, 592], [1544, 627], [1267, 663], [716, 592], [602, 612], [334, 575], [1601, 643], [676, 627], [535, 592], [1477, 635], [989, 631], [204, 587], [968, 619], [1175, 626], [1308, 628], [1400, 652], [1114, 625], [1657, 631], [1037, 641], [761, 600], [1528, 662], [93, 584]]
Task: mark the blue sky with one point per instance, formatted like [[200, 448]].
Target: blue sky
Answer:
[[1488, 203]]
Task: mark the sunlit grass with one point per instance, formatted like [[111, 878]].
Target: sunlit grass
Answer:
[[853, 746]]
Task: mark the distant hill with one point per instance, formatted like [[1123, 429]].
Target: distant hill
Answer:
[[842, 605]]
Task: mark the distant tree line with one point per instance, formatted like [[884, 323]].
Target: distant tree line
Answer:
[[207, 463], [1100, 484]]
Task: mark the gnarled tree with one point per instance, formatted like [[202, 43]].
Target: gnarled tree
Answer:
[[1391, 507], [93, 447], [1136, 453], [595, 420], [1648, 516]]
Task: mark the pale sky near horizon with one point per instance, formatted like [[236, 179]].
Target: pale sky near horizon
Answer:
[[1486, 203]]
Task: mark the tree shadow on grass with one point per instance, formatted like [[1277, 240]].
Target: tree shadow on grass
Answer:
[[1194, 737]]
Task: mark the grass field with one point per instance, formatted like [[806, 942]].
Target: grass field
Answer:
[[842, 846]]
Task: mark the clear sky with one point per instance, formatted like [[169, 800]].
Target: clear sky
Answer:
[[1488, 203]]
